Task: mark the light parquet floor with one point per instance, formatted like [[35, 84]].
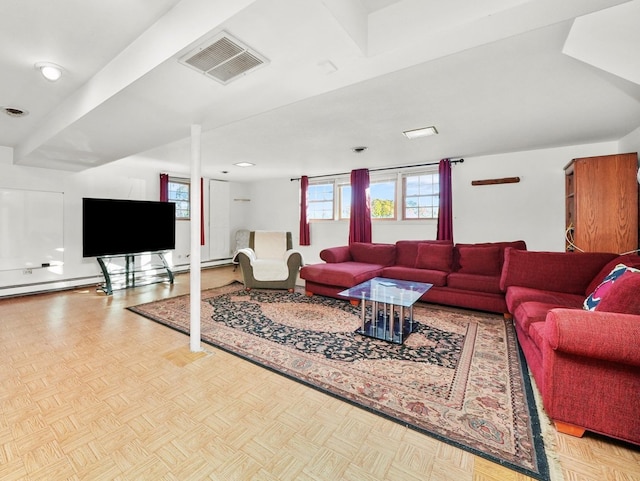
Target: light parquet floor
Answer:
[[91, 391]]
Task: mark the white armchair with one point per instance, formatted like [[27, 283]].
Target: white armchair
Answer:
[[269, 262]]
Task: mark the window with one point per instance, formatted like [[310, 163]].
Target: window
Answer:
[[344, 201], [320, 201], [179, 193], [421, 195], [383, 199], [331, 199], [382, 195]]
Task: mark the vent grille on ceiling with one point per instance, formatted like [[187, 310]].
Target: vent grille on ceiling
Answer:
[[223, 60]]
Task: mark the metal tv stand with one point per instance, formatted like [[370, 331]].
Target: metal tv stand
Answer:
[[124, 271]]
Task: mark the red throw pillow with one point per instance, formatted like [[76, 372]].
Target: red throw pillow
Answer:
[[437, 257], [630, 260], [479, 260], [593, 299], [624, 295]]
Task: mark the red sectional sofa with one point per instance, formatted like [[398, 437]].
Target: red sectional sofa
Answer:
[[585, 363], [463, 275]]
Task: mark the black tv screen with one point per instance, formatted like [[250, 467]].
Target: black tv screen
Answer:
[[114, 226]]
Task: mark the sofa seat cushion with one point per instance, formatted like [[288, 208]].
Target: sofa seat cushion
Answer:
[[345, 274], [530, 312], [474, 282], [437, 278], [516, 295], [537, 333]]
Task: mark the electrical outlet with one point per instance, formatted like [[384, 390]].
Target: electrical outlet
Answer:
[[27, 271]]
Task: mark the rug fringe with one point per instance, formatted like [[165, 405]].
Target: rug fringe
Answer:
[[549, 435]]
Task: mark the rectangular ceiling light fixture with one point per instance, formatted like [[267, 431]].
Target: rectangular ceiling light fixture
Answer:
[[423, 132], [223, 58]]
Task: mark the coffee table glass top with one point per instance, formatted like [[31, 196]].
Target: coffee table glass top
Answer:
[[388, 291]]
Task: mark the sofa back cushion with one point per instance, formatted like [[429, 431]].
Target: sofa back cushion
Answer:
[[630, 260], [568, 272], [381, 254], [483, 260], [437, 257], [407, 251], [519, 244], [623, 295]]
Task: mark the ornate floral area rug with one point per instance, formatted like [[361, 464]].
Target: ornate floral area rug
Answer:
[[458, 377]]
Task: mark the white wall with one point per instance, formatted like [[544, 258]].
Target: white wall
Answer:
[[120, 179], [532, 209], [630, 142]]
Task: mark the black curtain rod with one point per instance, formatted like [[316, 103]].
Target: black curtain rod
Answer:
[[380, 169]]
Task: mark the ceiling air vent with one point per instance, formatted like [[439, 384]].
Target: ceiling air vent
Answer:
[[224, 58]]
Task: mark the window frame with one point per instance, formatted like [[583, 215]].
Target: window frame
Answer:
[[310, 201], [435, 206], [178, 201]]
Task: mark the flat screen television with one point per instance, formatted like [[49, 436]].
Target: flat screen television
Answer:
[[115, 226]]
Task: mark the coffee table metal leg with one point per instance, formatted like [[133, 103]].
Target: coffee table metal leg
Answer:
[[385, 321], [411, 319]]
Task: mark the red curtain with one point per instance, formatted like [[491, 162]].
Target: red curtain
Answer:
[[164, 187], [445, 212], [360, 221], [305, 237]]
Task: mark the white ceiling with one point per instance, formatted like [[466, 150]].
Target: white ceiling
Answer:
[[492, 76]]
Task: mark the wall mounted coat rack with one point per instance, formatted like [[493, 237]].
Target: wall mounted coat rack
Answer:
[[504, 180]]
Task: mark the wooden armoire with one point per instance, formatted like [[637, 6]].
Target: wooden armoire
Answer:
[[602, 203]]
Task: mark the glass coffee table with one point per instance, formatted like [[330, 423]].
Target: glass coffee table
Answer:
[[386, 307]]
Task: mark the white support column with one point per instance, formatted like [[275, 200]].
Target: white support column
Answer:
[[194, 289]]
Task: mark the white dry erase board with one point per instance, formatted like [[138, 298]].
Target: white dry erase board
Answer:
[[31, 229]]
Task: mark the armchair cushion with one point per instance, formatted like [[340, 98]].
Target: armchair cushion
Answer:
[[270, 245], [267, 269]]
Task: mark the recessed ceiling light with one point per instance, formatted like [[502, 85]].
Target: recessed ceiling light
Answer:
[[13, 112], [244, 164], [423, 132], [50, 71]]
